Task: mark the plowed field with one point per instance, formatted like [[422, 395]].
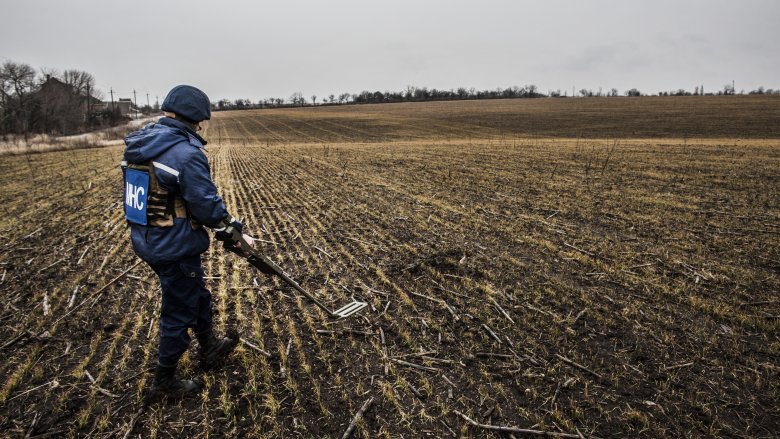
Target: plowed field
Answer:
[[615, 284]]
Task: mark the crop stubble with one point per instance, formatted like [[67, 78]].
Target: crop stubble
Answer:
[[616, 285]]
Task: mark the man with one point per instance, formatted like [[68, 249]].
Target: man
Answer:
[[169, 196]]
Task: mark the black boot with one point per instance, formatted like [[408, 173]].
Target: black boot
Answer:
[[214, 349], [166, 385]]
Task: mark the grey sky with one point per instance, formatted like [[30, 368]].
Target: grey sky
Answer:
[[257, 49]]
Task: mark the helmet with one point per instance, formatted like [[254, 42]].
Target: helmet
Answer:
[[188, 102]]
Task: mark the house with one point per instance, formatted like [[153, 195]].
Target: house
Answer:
[[124, 106], [60, 108]]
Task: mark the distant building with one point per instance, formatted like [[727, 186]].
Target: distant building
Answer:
[[54, 89], [60, 107], [124, 106]]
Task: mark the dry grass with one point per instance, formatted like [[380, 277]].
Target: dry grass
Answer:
[[734, 117], [38, 143], [653, 263]]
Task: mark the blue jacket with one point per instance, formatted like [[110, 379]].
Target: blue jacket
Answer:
[[181, 168]]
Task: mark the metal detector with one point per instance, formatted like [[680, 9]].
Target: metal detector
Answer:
[[267, 266]]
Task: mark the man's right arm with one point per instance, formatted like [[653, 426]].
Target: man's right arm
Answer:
[[200, 193], [205, 206]]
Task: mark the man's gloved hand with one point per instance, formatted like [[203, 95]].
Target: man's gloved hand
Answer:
[[229, 231], [237, 248], [226, 235]]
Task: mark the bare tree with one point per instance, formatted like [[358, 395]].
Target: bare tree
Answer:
[[297, 98], [50, 72], [5, 100], [314, 99], [81, 81], [65, 101], [410, 92], [18, 84]]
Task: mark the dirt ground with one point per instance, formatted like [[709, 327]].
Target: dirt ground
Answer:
[[594, 283]]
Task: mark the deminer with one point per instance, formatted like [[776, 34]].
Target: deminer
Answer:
[[169, 197]]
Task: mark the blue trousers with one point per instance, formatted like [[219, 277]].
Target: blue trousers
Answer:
[[186, 304]]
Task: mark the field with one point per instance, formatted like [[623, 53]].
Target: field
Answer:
[[584, 267]]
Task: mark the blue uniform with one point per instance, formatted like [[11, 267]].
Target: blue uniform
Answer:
[[181, 167]]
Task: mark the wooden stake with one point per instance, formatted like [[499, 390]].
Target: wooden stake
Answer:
[[513, 429], [416, 366], [265, 353], [384, 352], [131, 424], [83, 254], [452, 311], [413, 389], [51, 265], [323, 251], [492, 355], [579, 250], [357, 418], [492, 334], [579, 366], [432, 299], [448, 428], [580, 314], [99, 389], [502, 310], [678, 366]]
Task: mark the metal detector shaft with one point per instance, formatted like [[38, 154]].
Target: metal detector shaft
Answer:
[[261, 261], [264, 264]]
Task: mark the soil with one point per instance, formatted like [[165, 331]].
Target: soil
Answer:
[[608, 288]]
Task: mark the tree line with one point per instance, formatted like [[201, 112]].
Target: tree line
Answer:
[[424, 94], [68, 102], [410, 94], [50, 101]]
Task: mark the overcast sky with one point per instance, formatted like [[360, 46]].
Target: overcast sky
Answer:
[[260, 49]]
